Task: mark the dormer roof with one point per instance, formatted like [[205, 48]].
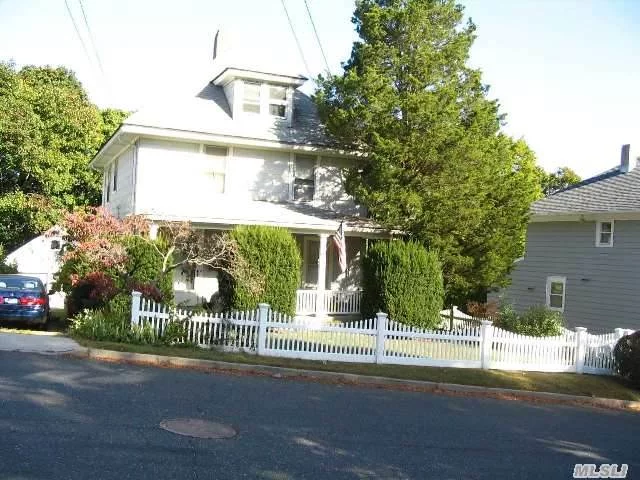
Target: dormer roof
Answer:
[[229, 74]]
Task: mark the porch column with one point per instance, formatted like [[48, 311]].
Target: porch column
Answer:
[[322, 274]]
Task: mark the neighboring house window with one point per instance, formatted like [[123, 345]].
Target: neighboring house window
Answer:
[[251, 100], [604, 234], [278, 101], [108, 183], [115, 175], [304, 178], [216, 166], [556, 289]]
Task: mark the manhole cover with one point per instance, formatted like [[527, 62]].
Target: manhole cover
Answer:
[[194, 427]]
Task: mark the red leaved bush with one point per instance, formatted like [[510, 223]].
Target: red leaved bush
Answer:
[[94, 234]]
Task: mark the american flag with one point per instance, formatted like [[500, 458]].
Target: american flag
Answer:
[[341, 247]]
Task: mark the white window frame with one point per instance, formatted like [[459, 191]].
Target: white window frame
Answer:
[[293, 167], [223, 172], [274, 101], [556, 279], [599, 233], [252, 102]]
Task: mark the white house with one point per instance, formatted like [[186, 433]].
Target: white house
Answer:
[[39, 258], [247, 149]]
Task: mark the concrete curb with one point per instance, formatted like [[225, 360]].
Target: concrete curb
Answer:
[[354, 379]]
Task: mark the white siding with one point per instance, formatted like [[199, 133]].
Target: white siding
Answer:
[[120, 201], [167, 178], [38, 259], [330, 190], [259, 175], [172, 179]]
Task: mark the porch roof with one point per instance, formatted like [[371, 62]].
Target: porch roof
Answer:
[[298, 217]]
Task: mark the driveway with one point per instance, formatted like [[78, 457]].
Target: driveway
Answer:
[[36, 342], [70, 418]]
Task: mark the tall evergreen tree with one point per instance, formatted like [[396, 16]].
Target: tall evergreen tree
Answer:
[[435, 162]]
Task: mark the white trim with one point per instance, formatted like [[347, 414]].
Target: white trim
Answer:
[[230, 73], [292, 173], [229, 140], [556, 279], [585, 217], [599, 233]]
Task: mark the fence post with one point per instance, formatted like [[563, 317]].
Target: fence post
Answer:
[[381, 325], [263, 317], [581, 348], [486, 341], [135, 307]]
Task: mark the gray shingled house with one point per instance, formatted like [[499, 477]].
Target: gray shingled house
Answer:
[[583, 252]]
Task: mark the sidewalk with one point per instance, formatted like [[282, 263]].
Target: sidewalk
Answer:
[[37, 342]]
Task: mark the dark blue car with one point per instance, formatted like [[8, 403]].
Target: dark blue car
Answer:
[[23, 299]]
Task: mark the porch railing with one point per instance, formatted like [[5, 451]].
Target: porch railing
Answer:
[[336, 302]]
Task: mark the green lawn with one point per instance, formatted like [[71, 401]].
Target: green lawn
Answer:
[[572, 384]]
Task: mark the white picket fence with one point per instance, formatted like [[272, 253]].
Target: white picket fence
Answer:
[[382, 340]]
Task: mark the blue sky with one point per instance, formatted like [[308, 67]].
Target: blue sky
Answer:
[[565, 72]]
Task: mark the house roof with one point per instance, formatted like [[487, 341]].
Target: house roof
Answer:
[[613, 191], [209, 112], [300, 216]]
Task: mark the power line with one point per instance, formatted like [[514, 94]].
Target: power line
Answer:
[[93, 43], [75, 26], [286, 12], [315, 31]]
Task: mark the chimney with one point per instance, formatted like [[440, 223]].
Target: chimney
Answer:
[[626, 165]]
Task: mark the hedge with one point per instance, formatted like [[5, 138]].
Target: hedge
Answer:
[[272, 274], [404, 280]]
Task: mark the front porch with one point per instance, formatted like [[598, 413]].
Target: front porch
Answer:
[[324, 290]]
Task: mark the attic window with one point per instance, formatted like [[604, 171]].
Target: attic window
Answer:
[[251, 100], [55, 244], [278, 101]]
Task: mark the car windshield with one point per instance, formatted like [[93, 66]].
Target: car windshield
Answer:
[[19, 283]]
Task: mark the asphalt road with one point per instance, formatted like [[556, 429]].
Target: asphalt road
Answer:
[[75, 419]]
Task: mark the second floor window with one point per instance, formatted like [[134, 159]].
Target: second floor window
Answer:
[[216, 164], [251, 99], [278, 101], [304, 179], [604, 234]]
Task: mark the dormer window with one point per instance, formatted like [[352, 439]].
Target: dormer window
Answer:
[[278, 101], [251, 100]]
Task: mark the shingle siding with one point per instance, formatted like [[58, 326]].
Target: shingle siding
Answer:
[[603, 283]]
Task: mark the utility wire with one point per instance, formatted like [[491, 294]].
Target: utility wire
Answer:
[[93, 43], [286, 12], [315, 31], [75, 26]]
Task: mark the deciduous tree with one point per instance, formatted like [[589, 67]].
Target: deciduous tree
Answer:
[[49, 131]]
